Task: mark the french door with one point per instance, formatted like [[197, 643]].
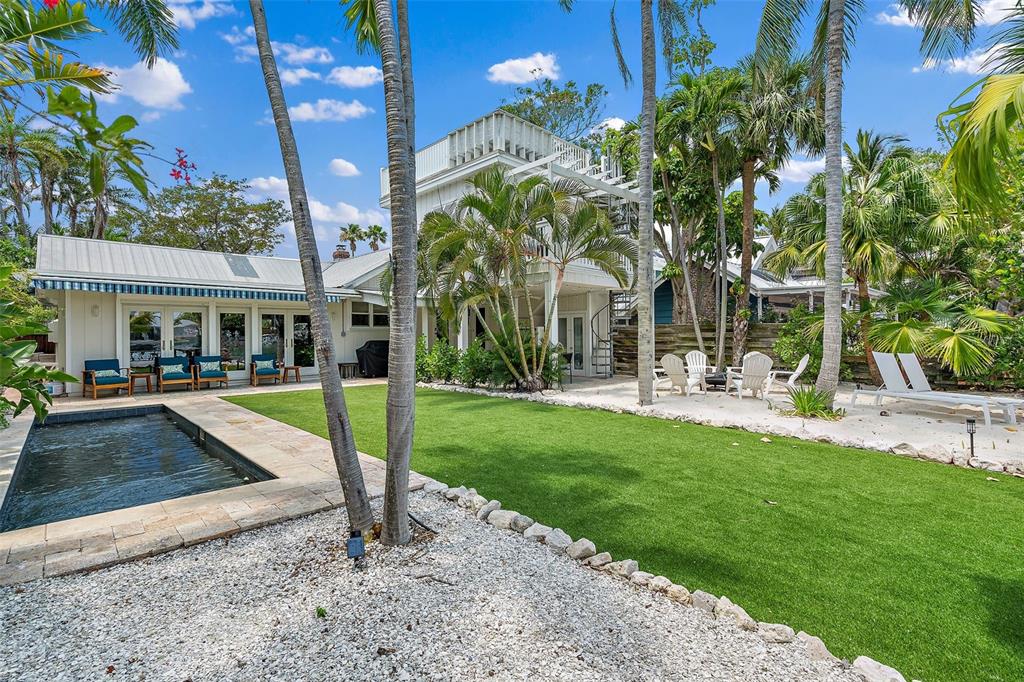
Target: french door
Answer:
[[570, 336], [289, 337], [163, 331], [234, 348]]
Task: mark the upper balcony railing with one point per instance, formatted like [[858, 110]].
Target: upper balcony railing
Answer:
[[496, 132]]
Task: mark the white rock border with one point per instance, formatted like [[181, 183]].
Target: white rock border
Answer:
[[936, 453], [585, 552]]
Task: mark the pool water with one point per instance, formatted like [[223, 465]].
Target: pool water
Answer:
[[86, 467]]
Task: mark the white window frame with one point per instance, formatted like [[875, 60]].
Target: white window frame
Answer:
[[371, 310]]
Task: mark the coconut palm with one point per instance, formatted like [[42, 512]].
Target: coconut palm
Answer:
[[343, 446], [374, 27], [777, 116], [375, 236], [352, 234], [21, 150], [670, 19]]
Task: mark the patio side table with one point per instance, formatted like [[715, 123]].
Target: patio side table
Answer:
[[348, 370], [148, 376], [295, 370]]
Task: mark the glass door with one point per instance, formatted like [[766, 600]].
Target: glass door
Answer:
[[234, 349], [145, 337], [272, 342], [303, 353], [186, 333], [570, 336]]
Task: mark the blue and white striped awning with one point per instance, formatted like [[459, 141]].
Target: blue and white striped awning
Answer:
[[173, 290]]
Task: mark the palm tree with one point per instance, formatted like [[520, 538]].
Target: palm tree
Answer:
[[480, 252], [670, 18], [343, 446], [21, 149], [711, 104], [352, 234], [374, 28], [376, 236], [777, 115], [890, 204], [780, 26]]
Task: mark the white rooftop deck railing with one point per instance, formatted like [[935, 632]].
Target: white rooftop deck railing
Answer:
[[497, 132]]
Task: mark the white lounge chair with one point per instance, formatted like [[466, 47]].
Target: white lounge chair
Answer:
[[753, 377], [777, 375], [919, 384], [895, 387], [677, 372]]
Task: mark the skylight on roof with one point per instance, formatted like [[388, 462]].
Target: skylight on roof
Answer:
[[240, 265]]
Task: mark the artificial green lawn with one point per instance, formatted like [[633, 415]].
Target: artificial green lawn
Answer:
[[918, 565]]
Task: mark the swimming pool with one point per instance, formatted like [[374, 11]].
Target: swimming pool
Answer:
[[86, 463]]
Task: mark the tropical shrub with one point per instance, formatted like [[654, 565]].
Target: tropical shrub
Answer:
[[1008, 364], [22, 383], [801, 335], [442, 361], [809, 402], [476, 365], [422, 366]]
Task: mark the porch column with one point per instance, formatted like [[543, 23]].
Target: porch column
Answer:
[[551, 306], [810, 301], [256, 342], [588, 335], [213, 345], [462, 341], [119, 349], [759, 307]]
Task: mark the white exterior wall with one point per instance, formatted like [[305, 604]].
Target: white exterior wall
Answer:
[[92, 326]]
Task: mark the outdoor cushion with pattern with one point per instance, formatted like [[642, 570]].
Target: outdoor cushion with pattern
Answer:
[[101, 373], [264, 364], [209, 366], [171, 372]]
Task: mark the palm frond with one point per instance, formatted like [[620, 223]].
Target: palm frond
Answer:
[[627, 75], [147, 25], [361, 20]]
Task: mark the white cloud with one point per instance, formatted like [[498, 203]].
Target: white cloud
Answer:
[[150, 116], [302, 54], [991, 13], [611, 123], [525, 69], [355, 76], [329, 110], [342, 168], [187, 13], [238, 36], [161, 87], [327, 218], [801, 170], [971, 64], [296, 76]]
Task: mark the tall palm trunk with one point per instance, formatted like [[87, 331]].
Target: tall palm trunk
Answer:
[[682, 250], [46, 200], [645, 262], [343, 445], [832, 340], [401, 403], [99, 218], [741, 318], [723, 272]]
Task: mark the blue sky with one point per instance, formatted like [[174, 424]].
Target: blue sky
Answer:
[[209, 98]]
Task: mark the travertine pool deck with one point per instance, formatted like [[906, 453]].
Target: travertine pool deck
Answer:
[[306, 482]]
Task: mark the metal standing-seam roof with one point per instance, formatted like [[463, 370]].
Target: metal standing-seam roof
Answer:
[[93, 264]]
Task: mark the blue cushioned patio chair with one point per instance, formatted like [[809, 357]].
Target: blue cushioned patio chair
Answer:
[[172, 371], [105, 375], [258, 370], [203, 370]]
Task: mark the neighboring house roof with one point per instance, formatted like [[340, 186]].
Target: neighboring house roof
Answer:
[[126, 267]]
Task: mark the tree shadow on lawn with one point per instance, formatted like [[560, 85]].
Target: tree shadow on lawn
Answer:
[[1004, 602]]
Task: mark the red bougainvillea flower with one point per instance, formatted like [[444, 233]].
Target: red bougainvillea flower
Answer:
[[51, 3], [176, 174]]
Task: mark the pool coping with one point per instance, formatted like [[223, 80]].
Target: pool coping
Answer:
[[306, 482]]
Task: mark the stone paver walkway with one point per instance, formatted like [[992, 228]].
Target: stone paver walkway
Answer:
[[306, 482]]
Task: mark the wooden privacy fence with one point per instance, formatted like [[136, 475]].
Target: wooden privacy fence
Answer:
[[680, 339]]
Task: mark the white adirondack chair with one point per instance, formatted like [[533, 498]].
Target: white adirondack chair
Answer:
[[754, 375], [676, 373], [696, 371], [777, 376]]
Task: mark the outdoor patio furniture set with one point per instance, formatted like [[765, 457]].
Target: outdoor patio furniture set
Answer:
[[755, 375], [108, 375]]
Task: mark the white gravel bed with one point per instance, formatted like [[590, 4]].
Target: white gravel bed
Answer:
[[473, 602]]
